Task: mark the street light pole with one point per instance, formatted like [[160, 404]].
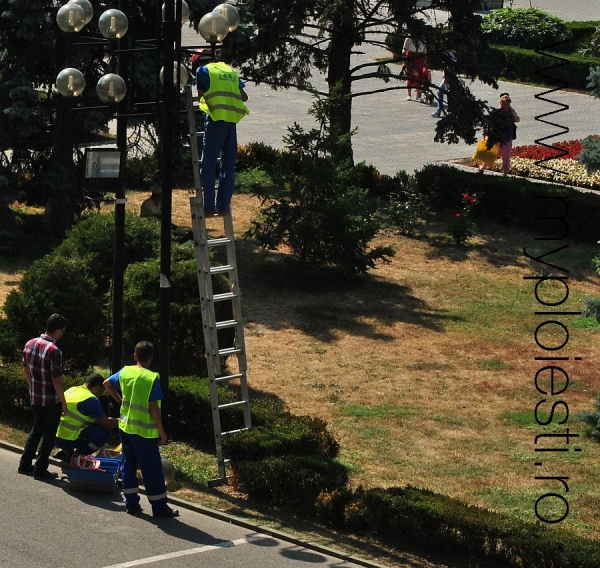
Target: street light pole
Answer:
[[120, 200], [168, 117]]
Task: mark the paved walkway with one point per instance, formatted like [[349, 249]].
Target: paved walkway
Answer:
[[395, 134]]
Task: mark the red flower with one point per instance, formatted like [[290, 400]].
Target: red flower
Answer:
[[457, 215], [569, 149]]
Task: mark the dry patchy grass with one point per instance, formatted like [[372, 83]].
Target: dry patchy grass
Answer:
[[423, 368]]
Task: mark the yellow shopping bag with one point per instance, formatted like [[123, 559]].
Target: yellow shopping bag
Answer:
[[482, 154]]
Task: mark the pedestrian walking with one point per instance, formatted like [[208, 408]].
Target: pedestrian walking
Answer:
[[137, 389], [222, 97], [502, 130], [85, 428], [42, 367], [449, 65], [417, 72]]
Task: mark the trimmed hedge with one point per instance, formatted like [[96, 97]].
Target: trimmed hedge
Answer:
[[290, 481], [436, 522], [514, 201], [288, 435], [526, 65]]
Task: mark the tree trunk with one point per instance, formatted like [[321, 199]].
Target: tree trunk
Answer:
[[340, 50]]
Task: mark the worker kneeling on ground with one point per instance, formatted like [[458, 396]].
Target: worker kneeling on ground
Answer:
[[85, 428]]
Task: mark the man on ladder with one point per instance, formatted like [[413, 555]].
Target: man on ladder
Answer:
[[222, 98]]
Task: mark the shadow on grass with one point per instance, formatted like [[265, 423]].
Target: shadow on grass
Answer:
[[325, 302]]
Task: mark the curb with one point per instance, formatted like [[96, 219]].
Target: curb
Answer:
[[226, 517]]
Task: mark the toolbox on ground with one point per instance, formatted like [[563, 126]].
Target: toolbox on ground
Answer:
[[103, 478]]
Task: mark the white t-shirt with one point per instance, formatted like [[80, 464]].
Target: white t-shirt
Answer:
[[414, 47]]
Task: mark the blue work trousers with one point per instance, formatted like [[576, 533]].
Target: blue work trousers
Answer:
[[220, 138], [45, 424], [143, 453], [91, 439]]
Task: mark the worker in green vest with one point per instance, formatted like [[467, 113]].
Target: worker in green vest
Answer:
[[222, 98], [84, 428], [137, 389]]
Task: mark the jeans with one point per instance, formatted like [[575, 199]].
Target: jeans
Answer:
[[220, 138], [441, 92], [45, 424]]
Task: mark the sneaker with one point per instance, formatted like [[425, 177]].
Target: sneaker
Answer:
[[26, 469], [168, 512], [435, 115], [408, 98], [134, 510], [45, 475]]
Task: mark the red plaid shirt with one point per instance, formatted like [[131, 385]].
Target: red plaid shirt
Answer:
[[42, 361]]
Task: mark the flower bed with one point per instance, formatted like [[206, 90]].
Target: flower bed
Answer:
[[561, 165]]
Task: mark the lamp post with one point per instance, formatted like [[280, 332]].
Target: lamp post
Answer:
[[112, 90]]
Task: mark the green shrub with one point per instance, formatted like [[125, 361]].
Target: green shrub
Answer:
[[408, 207], [290, 481], [14, 394], [591, 46], [190, 406], [287, 435], [512, 201], [325, 219], [91, 242], [55, 284], [141, 316], [257, 155], [523, 27], [142, 171], [525, 65]]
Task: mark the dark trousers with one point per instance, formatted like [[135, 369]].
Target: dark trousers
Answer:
[[91, 439], [45, 424], [143, 453]]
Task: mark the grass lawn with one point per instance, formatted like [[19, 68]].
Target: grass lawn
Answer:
[[425, 369]]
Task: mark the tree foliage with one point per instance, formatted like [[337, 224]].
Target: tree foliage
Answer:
[[524, 27], [41, 132], [325, 218], [294, 40]]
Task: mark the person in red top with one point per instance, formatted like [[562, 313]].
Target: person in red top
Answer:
[[42, 367]]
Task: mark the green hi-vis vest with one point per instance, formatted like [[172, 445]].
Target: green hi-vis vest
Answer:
[[73, 422], [136, 385], [223, 100]]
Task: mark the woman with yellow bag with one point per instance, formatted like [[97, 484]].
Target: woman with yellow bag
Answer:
[[501, 131]]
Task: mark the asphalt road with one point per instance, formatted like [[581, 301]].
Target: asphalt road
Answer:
[[48, 524]]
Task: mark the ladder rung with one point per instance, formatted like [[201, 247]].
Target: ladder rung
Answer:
[[233, 432], [232, 405], [218, 242], [229, 351], [220, 269], [224, 296], [228, 378], [226, 324]]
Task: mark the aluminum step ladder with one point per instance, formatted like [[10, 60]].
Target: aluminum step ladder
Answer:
[[222, 246]]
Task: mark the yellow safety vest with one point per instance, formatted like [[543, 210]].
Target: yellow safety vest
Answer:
[[136, 385], [223, 100], [73, 422]]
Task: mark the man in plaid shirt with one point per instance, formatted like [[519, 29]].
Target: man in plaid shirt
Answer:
[[42, 366]]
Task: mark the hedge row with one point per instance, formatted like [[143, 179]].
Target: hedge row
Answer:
[[569, 70], [515, 201], [437, 522]]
